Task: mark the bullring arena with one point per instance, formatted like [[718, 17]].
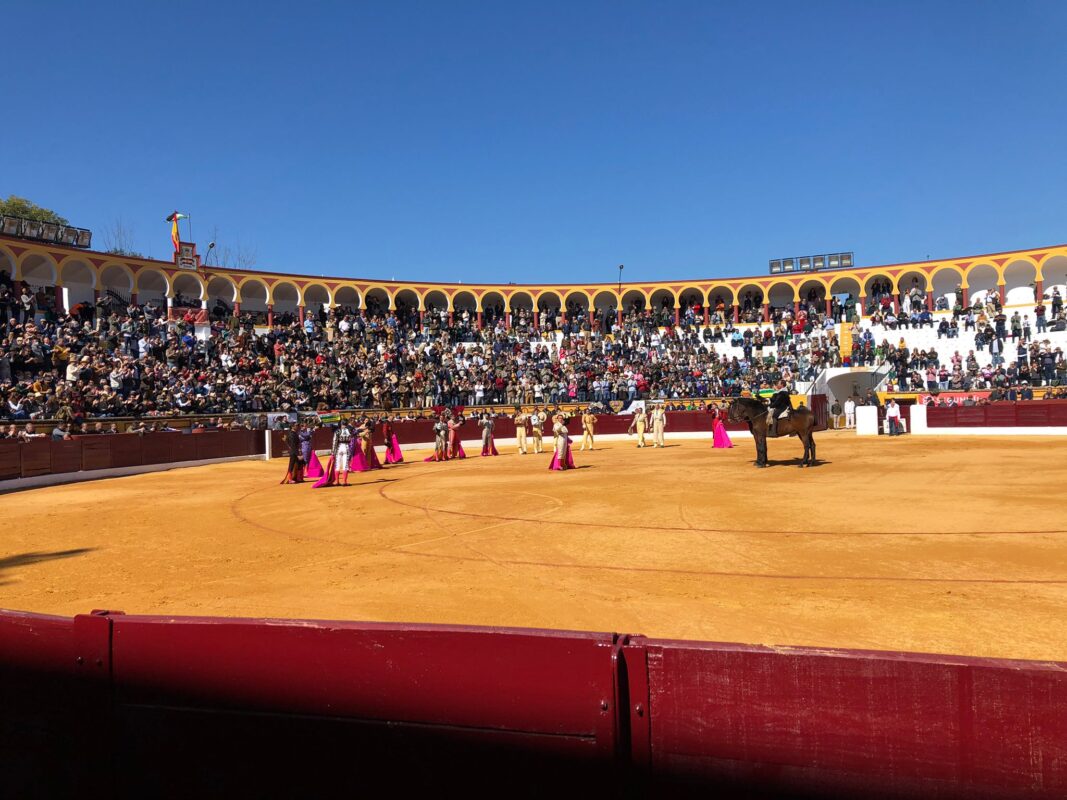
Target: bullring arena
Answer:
[[895, 545], [670, 612]]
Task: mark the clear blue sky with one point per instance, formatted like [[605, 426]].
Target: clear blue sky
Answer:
[[514, 141]]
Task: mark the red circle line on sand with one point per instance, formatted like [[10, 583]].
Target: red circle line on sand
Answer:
[[576, 523]]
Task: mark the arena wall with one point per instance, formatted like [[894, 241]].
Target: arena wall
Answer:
[[125, 705]]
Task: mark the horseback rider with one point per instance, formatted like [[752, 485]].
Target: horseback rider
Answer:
[[779, 406]]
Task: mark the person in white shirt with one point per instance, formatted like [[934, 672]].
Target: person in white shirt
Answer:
[[892, 415], [850, 414]]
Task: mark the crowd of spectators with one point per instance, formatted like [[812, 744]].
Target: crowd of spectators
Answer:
[[111, 359], [1018, 357]]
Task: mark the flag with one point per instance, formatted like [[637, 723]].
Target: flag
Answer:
[[331, 418], [173, 220]]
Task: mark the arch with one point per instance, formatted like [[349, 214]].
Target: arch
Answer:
[[781, 294], [407, 300], [1054, 274], [663, 300], [38, 269], [549, 299], [465, 301], [116, 277], [912, 288], [188, 288], [377, 299], [79, 281], [721, 294], [605, 300], [437, 301], [520, 301], [845, 287], [691, 296], [579, 298], [286, 297], [347, 297], [8, 262], [153, 286], [982, 280], [633, 299], [221, 287], [492, 305], [813, 290], [944, 281], [254, 294], [1020, 277], [316, 297], [750, 299]]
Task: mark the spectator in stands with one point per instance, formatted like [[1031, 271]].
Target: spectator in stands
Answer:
[[61, 432]]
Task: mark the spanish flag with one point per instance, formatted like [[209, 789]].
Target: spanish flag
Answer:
[[173, 220]]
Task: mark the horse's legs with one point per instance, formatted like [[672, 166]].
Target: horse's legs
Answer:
[[761, 449], [811, 439]]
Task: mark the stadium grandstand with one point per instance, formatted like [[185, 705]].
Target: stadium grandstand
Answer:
[[89, 336]]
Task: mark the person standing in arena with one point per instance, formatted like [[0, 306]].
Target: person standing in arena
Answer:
[[850, 414], [639, 423], [520, 429], [588, 428], [392, 446], [440, 440], [561, 453], [342, 451], [537, 421], [659, 425], [455, 444], [294, 473], [488, 446]]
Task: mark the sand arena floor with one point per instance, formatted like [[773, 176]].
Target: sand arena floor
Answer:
[[953, 546]]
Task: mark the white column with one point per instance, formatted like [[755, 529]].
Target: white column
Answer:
[[866, 420]]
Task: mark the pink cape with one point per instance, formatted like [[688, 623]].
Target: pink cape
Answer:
[[328, 476], [392, 452], [555, 459], [490, 449], [457, 451], [721, 438], [365, 463], [314, 467], [433, 457]]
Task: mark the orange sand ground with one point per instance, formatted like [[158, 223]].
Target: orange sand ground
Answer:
[[939, 545]]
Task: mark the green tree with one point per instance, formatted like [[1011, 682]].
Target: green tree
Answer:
[[21, 207]]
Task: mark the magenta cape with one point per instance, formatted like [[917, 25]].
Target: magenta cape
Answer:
[[392, 452], [490, 449], [555, 459], [314, 467], [329, 477], [721, 438]]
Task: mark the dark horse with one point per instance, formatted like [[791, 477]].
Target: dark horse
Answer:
[[800, 423]]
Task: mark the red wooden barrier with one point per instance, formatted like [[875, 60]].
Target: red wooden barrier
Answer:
[[158, 448], [66, 456], [10, 460], [184, 448], [126, 450], [209, 444], [848, 722], [36, 457], [555, 689], [96, 452], [250, 702]]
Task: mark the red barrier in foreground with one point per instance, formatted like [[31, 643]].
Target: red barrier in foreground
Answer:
[[146, 706]]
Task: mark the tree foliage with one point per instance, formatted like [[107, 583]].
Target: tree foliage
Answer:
[[21, 207]]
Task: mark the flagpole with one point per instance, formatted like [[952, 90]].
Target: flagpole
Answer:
[[189, 220]]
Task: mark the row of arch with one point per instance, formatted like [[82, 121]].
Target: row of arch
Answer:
[[1016, 279]]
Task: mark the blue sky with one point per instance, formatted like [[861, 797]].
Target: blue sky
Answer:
[[549, 141]]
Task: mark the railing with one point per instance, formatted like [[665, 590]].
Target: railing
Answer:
[[106, 704]]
